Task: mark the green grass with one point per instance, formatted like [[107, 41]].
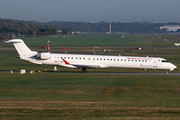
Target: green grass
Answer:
[[112, 40], [134, 40], [91, 96], [88, 96]]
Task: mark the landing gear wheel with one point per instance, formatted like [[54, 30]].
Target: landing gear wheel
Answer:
[[166, 73], [83, 70]]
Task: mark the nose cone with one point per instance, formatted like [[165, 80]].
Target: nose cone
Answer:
[[172, 67]]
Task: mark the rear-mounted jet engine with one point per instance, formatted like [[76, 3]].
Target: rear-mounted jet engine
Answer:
[[44, 56]]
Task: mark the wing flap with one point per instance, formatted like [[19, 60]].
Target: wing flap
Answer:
[[81, 65], [86, 66]]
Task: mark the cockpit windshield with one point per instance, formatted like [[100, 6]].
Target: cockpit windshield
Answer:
[[164, 61]]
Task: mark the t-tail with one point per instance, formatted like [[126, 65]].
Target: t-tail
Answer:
[[22, 49]]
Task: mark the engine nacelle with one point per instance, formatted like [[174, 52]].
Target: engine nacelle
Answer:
[[44, 56]]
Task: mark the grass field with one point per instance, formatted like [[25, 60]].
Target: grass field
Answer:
[[91, 96], [112, 40], [106, 40]]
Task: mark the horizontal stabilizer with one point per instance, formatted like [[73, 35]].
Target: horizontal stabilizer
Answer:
[[14, 41]]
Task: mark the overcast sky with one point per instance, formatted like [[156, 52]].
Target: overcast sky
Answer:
[[92, 10]]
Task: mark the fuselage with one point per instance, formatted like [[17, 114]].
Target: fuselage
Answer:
[[104, 61]]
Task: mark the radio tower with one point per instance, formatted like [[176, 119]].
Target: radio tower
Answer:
[[110, 28]]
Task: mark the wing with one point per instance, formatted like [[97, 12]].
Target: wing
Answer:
[[82, 65], [86, 66]]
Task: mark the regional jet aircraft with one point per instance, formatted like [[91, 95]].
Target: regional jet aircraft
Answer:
[[89, 61]]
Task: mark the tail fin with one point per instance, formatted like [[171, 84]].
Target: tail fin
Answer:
[[21, 47]]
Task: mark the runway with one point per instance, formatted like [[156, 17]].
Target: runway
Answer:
[[125, 73], [120, 73]]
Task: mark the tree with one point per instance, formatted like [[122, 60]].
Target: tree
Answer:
[[5, 29], [164, 30], [42, 29], [24, 32], [71, 29], [54, 31], [178, 30], [30, 32], [1, 30], [64, 31]]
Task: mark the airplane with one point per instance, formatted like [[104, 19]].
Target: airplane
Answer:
[[89, 61]]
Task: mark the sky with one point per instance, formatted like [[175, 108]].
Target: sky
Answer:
[[156, 11]]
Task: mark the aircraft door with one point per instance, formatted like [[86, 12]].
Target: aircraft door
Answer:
[[155, 63]]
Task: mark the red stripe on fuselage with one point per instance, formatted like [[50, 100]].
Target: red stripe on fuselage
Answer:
[[65, 62]]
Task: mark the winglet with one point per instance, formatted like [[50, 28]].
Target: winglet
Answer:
[[65, 62]]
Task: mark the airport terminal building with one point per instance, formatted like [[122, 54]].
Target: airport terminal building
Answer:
[[170, 27]]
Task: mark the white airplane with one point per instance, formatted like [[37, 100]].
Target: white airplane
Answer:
[[89, 61]]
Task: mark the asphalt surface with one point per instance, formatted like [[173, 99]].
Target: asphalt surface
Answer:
[[120, 73]]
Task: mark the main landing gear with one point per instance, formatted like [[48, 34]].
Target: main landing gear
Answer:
[[166, 72], [83, 70]]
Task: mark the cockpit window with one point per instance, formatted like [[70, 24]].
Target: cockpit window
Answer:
[[164, 61]]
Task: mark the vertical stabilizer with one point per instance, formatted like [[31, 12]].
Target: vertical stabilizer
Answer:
[[21, 47]]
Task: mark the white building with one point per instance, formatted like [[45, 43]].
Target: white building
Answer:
[[170, 27]]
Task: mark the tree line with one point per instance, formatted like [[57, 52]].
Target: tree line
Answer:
[[26, 27], [51, 28], [135, 27]]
